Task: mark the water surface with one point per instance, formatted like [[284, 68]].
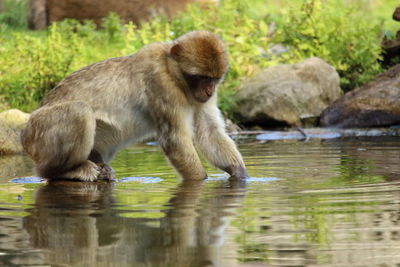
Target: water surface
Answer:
[[315, 203]]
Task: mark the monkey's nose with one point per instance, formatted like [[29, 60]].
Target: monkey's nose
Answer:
[[209, 91]]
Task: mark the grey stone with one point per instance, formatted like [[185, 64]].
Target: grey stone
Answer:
[[288, 94]]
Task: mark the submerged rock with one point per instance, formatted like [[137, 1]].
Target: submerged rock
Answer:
[[11, 124], [374, 104], [288, 94]]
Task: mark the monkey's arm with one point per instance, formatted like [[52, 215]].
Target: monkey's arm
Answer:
[[215, 144], [175, 139]]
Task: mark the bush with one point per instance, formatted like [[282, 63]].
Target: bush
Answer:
[[339, 34], [33, 64], [112, 26], [38, 64], [47, 66]]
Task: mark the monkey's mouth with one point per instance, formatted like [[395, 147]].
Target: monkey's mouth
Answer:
[[203, 97]]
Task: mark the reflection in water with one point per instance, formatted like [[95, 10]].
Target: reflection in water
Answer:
[[71, 221], [76, 224]]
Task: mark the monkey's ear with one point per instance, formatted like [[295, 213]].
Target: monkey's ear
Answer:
[[175, 50]]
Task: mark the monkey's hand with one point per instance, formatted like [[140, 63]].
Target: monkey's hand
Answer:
[[237, 172]]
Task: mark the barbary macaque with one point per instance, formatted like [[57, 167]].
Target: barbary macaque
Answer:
[[165, 91]]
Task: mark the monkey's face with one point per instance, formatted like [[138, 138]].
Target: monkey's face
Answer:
[[202, 61], [201, 87]]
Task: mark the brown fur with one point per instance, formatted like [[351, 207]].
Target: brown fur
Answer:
[[101, 108]]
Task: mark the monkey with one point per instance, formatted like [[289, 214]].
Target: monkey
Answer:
[[166, 91]]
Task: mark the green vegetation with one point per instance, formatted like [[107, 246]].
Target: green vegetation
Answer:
[[31, 63], [338, 34], [14, 15]]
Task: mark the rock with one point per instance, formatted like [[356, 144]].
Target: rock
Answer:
[[11, 124], [288, 94], [9, 139], [43, 12], [374, 104], [15, 118]]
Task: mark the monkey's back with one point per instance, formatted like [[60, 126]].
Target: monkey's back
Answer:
[[109, 77]]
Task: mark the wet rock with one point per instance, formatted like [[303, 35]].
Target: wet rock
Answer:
[[11, 124], [43, 12], [374, 104], [288, 94]]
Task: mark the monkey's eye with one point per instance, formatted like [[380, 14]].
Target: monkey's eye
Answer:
[[194, 77]]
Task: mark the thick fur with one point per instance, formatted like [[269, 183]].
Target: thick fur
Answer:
[[101, 108]]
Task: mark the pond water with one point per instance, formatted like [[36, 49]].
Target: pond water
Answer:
[[317, 203]]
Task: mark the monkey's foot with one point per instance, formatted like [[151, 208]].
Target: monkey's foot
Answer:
[[105, 172], [86, 172]]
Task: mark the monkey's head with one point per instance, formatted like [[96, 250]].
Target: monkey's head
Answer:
[[202, 62]]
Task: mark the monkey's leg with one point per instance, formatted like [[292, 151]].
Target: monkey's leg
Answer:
[[183, 156], [178, 147], [215, 144], [59, 138]]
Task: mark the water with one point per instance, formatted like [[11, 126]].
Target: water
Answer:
[[315, 203]]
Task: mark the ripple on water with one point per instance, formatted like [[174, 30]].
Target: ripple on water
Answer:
[[28, 180], [221, 177], [144, 180]]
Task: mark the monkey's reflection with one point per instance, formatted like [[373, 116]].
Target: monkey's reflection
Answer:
[[64, 221], [77, 224]]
